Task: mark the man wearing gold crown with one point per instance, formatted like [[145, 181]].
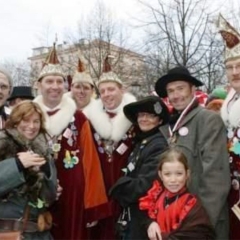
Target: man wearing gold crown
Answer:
[[77, 161], [231, 116], [113, 134]]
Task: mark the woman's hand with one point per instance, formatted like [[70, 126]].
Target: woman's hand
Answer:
[[30, 159], [154, 232]]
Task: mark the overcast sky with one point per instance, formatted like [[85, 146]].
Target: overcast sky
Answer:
[[23, 22]]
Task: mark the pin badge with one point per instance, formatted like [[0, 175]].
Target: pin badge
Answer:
[[235, 184], [101, 150], [183, 131], [238, 133], [230, 133]]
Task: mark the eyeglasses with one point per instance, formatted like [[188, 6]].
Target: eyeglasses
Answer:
[[230, 68], [4, 87], [147, 115]]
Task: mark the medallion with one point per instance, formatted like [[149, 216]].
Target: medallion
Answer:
[[69, 161], [172, 139], [56, 147]]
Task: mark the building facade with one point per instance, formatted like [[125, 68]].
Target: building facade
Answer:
[[128, 65]]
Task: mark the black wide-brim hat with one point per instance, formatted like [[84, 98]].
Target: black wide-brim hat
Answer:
[[21, 92], [150, 104], [176, 74]]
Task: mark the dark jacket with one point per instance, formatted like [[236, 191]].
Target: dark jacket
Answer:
[[14, 186], [140, 173]]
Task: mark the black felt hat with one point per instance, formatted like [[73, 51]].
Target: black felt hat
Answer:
[[150, 104], [179, 73], [21, 92]]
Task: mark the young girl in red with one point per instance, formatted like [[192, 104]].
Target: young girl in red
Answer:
[[173, 212]]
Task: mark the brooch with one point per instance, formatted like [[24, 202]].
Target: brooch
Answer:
[[69, 161], [56, 147]]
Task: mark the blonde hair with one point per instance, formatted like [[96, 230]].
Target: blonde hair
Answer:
[[24, 110]]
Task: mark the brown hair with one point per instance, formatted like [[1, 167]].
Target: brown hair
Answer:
[[171, 155], [24, 110]]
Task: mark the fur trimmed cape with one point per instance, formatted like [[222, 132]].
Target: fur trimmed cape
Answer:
[[109, 128], [63, 117]]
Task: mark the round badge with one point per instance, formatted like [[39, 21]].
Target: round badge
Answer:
[[235, 184], [183, 131], [230, 133], [238, 133], [101, 150], [75, 159], [235, 140], [96, 136]]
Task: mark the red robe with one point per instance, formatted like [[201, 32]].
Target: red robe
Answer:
[[234, 195], [83, 186], [115, 128], [112, 171], [231, 117]]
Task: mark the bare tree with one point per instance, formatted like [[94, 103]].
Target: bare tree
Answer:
[[20, 72], [100, 35], [181, 31]]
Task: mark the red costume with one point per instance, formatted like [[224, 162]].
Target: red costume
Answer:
[[79, 171], [231, 116], [113, 138], [178, 214]]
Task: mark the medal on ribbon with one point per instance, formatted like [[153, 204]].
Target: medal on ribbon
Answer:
[[69, 161]]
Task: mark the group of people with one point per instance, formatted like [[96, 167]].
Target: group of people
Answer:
[[76, 167]]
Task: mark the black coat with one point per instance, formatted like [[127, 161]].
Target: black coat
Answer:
[[140, 173]]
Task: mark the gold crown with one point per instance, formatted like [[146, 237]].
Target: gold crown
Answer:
[[231, 38], [82, 75], [51, 66], [108, 75]]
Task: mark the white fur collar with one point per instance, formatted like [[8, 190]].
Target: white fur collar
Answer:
[[109, 128], [88, 109], [56, 123], [231, 118]]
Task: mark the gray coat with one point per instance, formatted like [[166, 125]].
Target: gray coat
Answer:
[[13, 181], [205, 146]]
